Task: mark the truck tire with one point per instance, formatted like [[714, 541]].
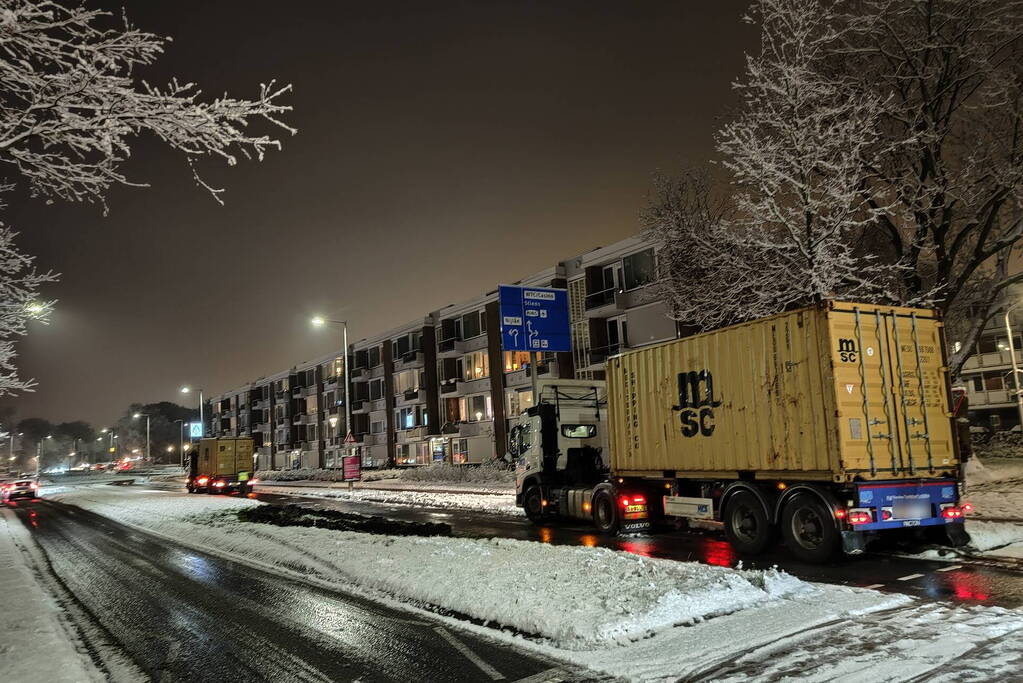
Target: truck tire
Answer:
[[605, 514], [746, 524], [532, 503], [809, 529]]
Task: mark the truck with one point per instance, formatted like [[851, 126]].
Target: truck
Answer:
[[829, 426], [221, 466]]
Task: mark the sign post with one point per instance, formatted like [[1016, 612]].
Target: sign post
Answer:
[[535, 320], [351, 465]]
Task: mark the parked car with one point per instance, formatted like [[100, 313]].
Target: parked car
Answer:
[[20, 489]]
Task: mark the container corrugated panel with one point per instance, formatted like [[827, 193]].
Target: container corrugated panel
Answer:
[[225, 456], [243, 450], [772, 397]]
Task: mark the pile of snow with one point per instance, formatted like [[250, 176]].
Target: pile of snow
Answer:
[[502, 503], [577, 598], [488, 474], [996, 538], [491, 474]]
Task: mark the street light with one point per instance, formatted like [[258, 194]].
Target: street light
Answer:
[[186, 389], [137, 416], [320, 321], [39, 453]]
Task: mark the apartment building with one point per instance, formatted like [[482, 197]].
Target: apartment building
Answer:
[[987, 374], [441, 388]]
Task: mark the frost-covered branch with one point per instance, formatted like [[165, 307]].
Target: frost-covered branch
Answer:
[[70, 102]]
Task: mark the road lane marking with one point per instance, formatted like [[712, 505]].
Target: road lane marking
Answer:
[[950, 568], [548, 676], [909, 577], [494, 674], [874, 585]]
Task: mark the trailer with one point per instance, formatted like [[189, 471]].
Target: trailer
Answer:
[[221, 466], [828, 425]]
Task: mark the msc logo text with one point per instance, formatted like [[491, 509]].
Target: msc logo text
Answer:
[[696, 403]]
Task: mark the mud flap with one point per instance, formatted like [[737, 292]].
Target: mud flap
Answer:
[[853, 542], [956, 534]]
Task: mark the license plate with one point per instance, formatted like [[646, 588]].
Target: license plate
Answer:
[[911, 509], [636, 508]]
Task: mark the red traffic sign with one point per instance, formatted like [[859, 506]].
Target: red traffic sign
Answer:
[[350, 438], [351, 469]]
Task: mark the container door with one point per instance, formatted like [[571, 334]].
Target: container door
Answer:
[[225, 456], [920, 389], [884, 360]]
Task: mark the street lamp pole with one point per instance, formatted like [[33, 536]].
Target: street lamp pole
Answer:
[[1015, 369], [185, 390], [145, 415], [319, 322], [181, 441]]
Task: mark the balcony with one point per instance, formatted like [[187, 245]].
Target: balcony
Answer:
[[360, 405], [450, 387], [450, 347], [412, 359], [407, 435], [358, 373], [990, 361], [310, 445], [600, 356], [411, 394], [482, 428], [329, 383], [374, 439], [604, 303]]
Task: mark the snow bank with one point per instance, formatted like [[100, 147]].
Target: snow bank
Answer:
[[996, 538], [486, 474], [577, 598], [503, 504]]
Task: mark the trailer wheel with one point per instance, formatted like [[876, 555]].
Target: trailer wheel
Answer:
[[532, 503], [605, 514], [809, 529], [746, 525]]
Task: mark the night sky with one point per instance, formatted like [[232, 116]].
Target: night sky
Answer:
[[443, 147]]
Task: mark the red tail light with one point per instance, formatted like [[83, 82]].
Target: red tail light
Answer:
[[201, 481], [860, 517], [639, 500], [967, 508], [952, 513], [624, 502], [840, 513]]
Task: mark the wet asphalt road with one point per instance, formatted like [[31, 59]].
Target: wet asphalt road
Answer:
[[183, 615], [963, 582]]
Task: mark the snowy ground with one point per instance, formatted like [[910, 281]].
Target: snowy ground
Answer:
[[623, 614], [35, 642], [499, 503], [995, 489]]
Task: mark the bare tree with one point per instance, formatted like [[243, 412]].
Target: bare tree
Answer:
[[948, 180], [71, 106], [795, 156], [20, 283]]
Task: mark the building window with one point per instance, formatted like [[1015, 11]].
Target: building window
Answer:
[[476, 365], [411, 417], [517, 402], [374, 356], [406, 380], [515, 360], [993, 381], [310, 405], [475, 408], [459, 451], [376, 427], [473, 324], [638, 269], [376, 389]]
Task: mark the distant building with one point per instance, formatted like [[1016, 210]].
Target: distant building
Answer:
[[440, 388], [987, 374]]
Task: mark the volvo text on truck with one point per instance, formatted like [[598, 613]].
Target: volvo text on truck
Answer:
[[828, 425]]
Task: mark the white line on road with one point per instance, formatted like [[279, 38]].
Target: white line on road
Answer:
[[909, 577], [874, 585], [469, 654], [950, 568], [548, 676]]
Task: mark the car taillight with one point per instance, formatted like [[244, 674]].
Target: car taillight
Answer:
[[639, 500], [623, 501], [840, 513], [860, 517], [967, 508], [202, 480], [952, 512]]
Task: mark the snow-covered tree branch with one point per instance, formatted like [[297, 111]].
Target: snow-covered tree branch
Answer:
[[19, 303], [70, 102], [876, 155]]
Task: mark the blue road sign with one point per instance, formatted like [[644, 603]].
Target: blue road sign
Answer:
[[195, 430], [534, 319]]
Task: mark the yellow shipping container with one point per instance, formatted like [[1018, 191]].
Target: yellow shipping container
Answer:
[[225, 456], [828, 393]]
